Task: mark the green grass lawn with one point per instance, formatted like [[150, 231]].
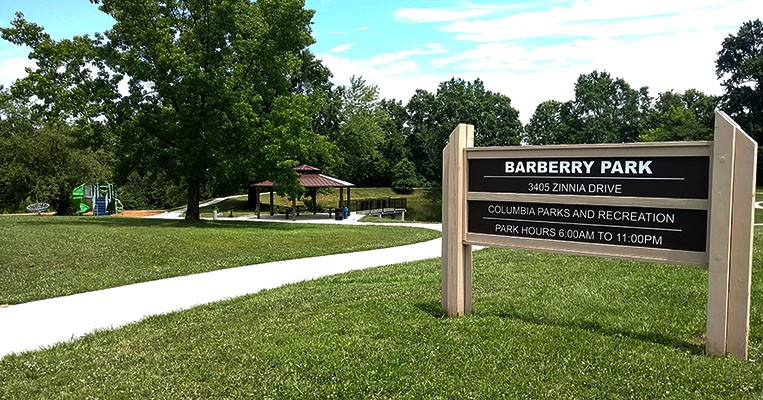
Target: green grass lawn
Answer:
[[544, 326], [42, 257]]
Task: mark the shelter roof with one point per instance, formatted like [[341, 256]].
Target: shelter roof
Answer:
[[307, 169], [310, 177]]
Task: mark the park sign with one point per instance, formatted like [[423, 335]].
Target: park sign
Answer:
[[661, 202], [612, 197]]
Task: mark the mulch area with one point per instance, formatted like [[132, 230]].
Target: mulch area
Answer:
[[125, 213], [138, 213]]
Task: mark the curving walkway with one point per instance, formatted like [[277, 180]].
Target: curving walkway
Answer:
[[42, 323], [178, 214]]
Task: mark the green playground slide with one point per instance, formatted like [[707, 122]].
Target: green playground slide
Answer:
[[83, 208], [77, 195]]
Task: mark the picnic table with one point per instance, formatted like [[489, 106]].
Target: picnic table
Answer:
[[288, 211]]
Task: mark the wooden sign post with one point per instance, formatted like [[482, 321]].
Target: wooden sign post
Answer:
[[659, 202], [457, 271]]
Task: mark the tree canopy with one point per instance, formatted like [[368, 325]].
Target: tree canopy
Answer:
[[43, 161], [680, 117], [183, 99], [202, 78], [608, 110], [360, 134], [740, 66], [432, 116], [549, 124]]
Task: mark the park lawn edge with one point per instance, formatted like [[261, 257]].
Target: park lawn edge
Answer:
[[58, 256], [544, 326]]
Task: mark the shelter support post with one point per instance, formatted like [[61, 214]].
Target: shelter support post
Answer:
[[257, 201], [456, 256], [272, 207]]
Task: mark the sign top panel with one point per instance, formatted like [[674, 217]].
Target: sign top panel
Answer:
[[654, 149], [683, 177]]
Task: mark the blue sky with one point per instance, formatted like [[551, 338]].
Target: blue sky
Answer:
[[530, 51]]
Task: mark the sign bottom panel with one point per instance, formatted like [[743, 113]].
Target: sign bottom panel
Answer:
[[661, 228]]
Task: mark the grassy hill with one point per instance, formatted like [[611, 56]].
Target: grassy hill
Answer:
[[544, 326], [43, 256]]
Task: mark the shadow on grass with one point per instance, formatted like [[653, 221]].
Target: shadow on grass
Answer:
[[433, 309], [591, 326], [163, 223]]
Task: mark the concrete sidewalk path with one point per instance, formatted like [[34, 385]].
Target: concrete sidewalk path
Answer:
[[39, 324]]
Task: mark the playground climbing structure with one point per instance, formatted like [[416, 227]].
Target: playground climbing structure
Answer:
[[101, 198]]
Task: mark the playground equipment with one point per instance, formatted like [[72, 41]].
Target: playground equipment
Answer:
[[38, 207], [103, 199]]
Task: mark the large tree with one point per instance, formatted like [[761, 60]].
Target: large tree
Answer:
[[549, 124], [202, 77], [740, 65], [680, 117], [433, 116], [360, 134], [607, 109], [395, 153]]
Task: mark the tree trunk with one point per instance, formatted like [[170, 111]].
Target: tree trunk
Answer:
[[192, 210], [62, 204]]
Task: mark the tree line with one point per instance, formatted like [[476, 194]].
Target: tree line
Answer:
[[183, 100]]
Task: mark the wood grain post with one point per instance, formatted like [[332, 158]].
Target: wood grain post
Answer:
[[456, 256], [742, 225], [719, 241]]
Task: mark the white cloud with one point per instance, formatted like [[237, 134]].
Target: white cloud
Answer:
[[534, 56], [342, 47], [389, 58], [13, 68], [337, 33], [425, 15], [397, 74], [509, 56], [381, 65], [532, 75], [447, 14], [605, 19]]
